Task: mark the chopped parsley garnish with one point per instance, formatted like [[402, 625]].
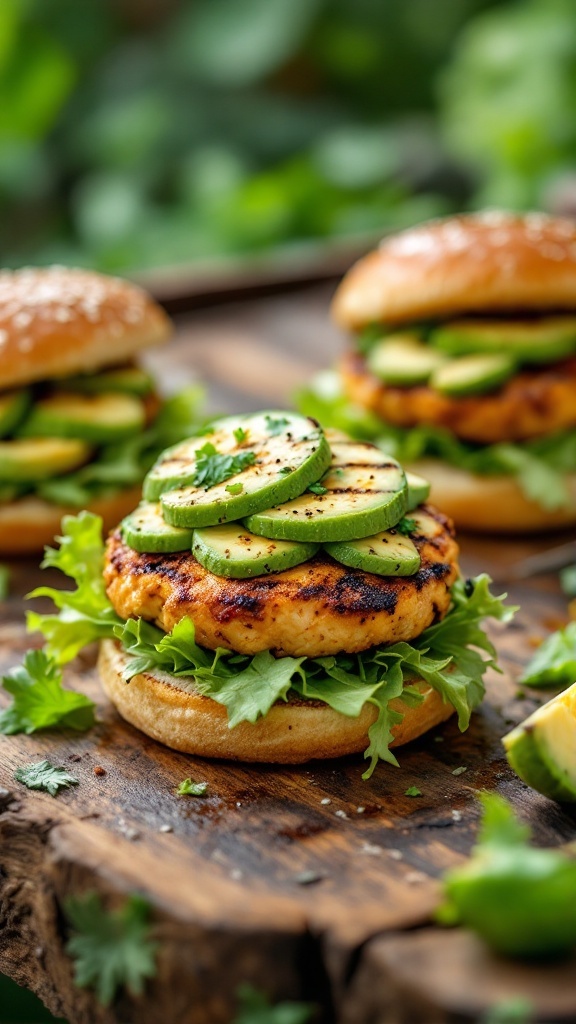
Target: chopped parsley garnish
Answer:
[[275, 424], [234, 488], [285, 470], [43, 775], [240, 434], [40, 701], [413, 791], [318, 489], [189, 788], [111, 949], [213, 468], [406, 526]]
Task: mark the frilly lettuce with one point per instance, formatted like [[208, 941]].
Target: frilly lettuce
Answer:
[[451, 656]]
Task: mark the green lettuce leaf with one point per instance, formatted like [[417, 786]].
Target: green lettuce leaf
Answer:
[[85, 614], [39, 699], [518, 898], [554, 663], [540, 466]]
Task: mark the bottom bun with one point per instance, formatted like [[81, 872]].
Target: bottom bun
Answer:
[[28, 524], [491, 504], [291, 732]]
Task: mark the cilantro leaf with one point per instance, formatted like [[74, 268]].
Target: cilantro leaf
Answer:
[[255, 1008], [110, 949], [406, 526], [213, 468], [413, 791], [518, 898], [43, 775], [189, 788], [276, 424], [317, 489], [235, 488], [40, 701], [554, 663], [240, 434]]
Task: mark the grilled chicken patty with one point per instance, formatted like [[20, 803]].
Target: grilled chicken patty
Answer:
[[531, 404], [318, 608]]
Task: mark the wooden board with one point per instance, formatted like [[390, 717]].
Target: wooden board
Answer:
[[226, 874]]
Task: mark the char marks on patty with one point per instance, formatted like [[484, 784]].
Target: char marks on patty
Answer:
[[317, 608]]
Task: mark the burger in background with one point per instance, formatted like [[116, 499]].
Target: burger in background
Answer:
[[464, 365], [80, 421]]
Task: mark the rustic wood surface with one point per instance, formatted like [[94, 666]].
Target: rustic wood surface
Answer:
[[226, 874]]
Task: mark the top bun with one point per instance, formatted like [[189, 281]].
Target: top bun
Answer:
[[487, 262], [56, 321]]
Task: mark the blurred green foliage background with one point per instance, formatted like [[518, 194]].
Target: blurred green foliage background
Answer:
[[142, 133]]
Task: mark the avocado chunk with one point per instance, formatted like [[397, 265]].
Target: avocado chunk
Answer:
[[541, 340], [542, 749], [472, 375], [231, 550], [403, 360], [27, 460], [101, 419], [129, 379], [387, 554], [13, 407]]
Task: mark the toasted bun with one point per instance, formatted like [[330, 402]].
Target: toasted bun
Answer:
[[290, 733], [490, 504], [55, 322], [30, 523], [482, 262]]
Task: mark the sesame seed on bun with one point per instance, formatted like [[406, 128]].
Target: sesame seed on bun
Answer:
[[57, 321], [488, 262]]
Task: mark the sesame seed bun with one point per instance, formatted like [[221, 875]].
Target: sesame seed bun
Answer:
[[489, 262], [57, 321], [292, 732], [491, 504], [28, 524]]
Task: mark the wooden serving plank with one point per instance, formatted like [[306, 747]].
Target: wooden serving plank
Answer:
[[230, 876]]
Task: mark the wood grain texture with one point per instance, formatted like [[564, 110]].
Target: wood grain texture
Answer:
[[226, 883]]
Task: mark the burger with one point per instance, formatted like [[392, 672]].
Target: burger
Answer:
[[281, 594], [464, 364], [80, 422]]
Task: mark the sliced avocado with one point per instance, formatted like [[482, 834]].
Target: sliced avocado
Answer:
[[472, 375], [101, 419], [13, 407], [363, 492], [386, 554], [542, 340], [129, 379], [418, 490], [403, 360], [542, 749], [245, 464], [145, 530], [25, 460], [231, 550]]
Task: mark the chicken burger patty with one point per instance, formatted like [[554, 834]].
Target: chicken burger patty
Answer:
[[531, 404], [318, 608]]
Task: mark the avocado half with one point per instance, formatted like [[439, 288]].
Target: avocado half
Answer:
[[542, 749]]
